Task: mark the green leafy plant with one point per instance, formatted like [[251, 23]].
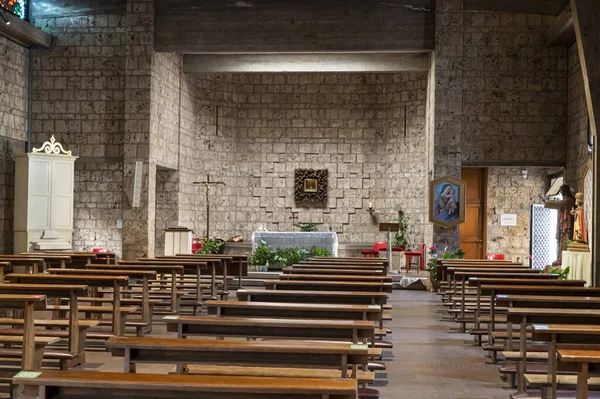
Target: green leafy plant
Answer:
[[320, 252], [432, 266], [210, 247], [459, 254], [563, 273], [263, 255], [307, 226], [291, 256], [401, 238]]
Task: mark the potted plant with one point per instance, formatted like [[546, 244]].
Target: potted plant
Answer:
[[307, 226], [432, 269], [262, 257], [320, 252], [210, 247]]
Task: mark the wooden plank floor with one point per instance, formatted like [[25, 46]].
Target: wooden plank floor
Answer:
[[426, 361]]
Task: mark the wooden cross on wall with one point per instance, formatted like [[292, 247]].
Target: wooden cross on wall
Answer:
[[207, 184], [294, 218]]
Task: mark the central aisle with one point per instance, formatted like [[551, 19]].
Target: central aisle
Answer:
[[430, 363]]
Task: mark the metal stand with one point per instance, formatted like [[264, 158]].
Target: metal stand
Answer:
[[389, 228]]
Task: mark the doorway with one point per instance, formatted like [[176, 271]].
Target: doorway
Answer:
[[473, 233]]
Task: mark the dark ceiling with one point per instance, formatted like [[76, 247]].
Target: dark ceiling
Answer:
[[48, 8]]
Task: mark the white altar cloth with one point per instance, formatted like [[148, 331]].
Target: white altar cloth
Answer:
[[580, 264], [281, 240]]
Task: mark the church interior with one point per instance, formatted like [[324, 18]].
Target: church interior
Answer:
[[297, 199]]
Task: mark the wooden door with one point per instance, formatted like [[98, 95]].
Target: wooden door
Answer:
[[473, 232]]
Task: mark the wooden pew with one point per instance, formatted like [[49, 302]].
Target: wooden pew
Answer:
[[444, 264], [238, 353], [545, 302], [237, 262], [195, 267], [336, 277], [144, 275], [331, 297], [95, 385], [311, 285], [256, 327], [461, 277], [513, 287], [582, 358], [173, 271], [363, 377], [76, 330], [561, 334], [526, 316], [50, 259], [33, 347], [340, 265], [294, 310], [4, 268], [350, 272], [116, 282], [31, 265], [83, 257]]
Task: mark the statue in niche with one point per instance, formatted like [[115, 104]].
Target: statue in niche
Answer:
[[579, 242], [565, 217]]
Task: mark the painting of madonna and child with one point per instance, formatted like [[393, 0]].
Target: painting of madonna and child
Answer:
[[447, 201]]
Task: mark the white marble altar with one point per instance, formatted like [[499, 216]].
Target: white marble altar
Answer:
[[308, 240]]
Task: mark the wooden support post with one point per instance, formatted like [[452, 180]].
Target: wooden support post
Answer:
[[586, 20], [28, 362], [116, 309]]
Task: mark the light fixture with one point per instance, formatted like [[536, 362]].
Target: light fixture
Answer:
[[370, 208], [3, 15], [524, 173]]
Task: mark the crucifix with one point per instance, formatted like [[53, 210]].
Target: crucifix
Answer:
[[294, 218], [207, 184]]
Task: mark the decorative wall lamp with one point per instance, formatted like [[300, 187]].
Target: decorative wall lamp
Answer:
[[370, 209]]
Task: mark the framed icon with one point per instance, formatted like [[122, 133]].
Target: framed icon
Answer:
[[447, 204]]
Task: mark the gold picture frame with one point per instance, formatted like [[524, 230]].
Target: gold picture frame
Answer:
[[311, 185], [447, 201]]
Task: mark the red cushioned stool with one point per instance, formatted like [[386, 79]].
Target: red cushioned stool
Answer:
[[420, 256]]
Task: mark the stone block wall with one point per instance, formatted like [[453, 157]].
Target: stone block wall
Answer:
[[204, 150], [79, 97], [514, 89], [13, 129], [577, 127], [368, 131], [508, 192]]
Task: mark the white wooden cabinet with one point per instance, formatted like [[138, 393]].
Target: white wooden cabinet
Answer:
[[44, 186]]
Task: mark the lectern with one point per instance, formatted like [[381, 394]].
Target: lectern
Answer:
[[389, 228]]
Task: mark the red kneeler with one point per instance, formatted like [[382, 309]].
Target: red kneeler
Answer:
[[420, 256]]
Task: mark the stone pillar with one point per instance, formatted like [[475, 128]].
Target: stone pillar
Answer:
[[447, 73], [138, 223]]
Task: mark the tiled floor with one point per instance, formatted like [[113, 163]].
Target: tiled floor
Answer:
[[429, 362], [426, 361]]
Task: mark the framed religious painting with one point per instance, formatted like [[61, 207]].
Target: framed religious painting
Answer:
[[310, 185], [447, 202]]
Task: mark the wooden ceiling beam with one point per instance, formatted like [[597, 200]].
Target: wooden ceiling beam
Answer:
[[562, 31], [545, 7], [255, 26], [23, 32], [291, 63]]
